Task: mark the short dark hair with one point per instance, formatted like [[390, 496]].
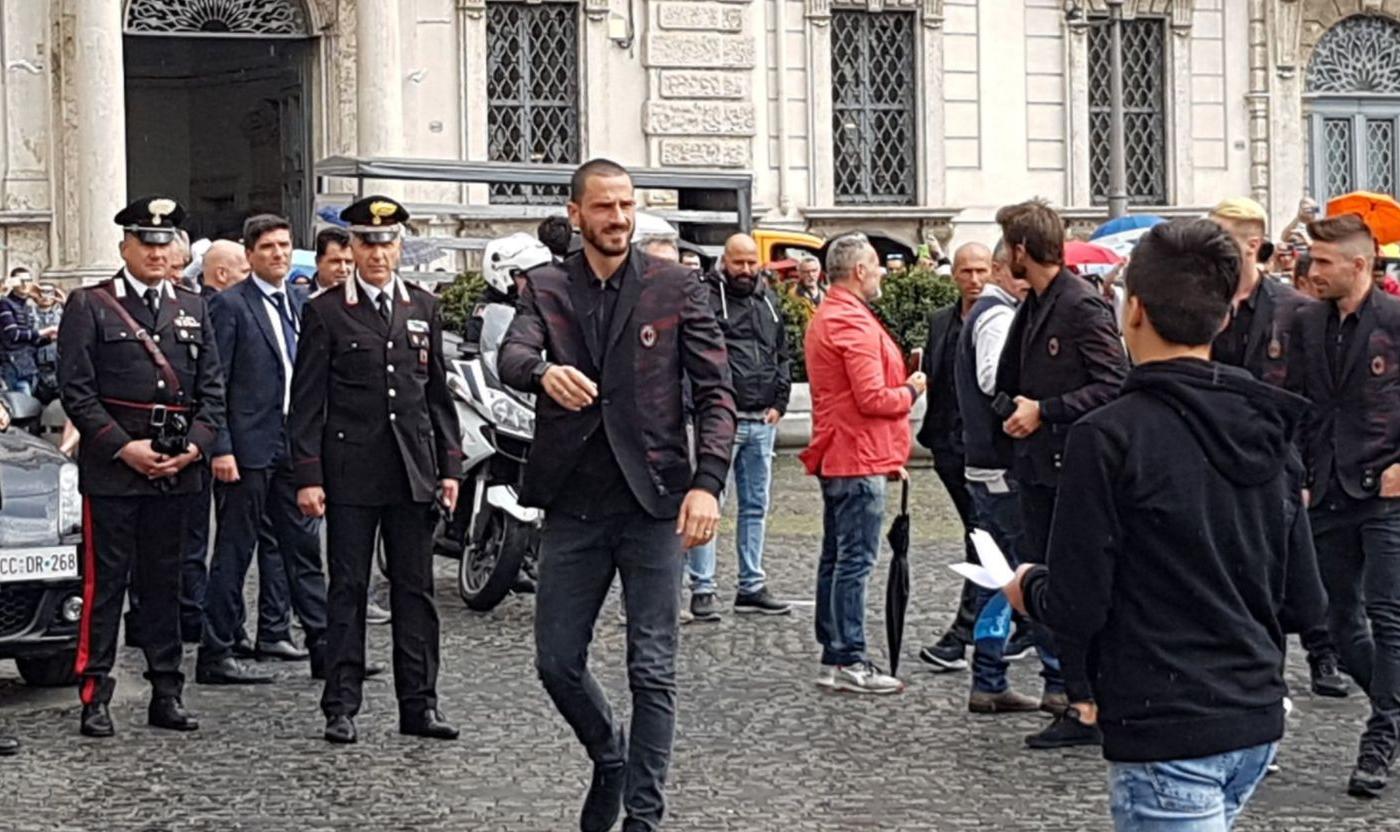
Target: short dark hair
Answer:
[[586, 171], [1302, 265], [556, 232], [1346, 228], [1035, 225], [329, 235], [259, 224], [1185, 273], [18, 270]]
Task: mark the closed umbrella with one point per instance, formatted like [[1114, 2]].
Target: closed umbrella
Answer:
[[897, 588], [1380, 212]]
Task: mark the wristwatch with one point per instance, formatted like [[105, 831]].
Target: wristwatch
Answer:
[[537, 377]]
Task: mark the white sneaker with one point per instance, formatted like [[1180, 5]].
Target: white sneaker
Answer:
[[687, 617], [827, 677], [865, 678]]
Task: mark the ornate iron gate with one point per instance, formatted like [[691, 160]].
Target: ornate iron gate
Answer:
[[872, 94], [1144, 103], [532, 91]]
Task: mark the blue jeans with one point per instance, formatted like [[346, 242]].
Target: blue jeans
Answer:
[[853, 514], [997, 514], [1358, 555], [753, 472], [1201, 795]]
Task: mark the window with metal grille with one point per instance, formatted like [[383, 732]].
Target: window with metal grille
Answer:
[[1144, 102], [873, 106], [1353, 108], [532, 91]]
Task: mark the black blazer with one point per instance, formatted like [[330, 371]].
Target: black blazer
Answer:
[[662, 330], [370, 406], [253, 373], [941, 430], [107, 376], [1354, 423], [1063, 351], [1270, 330]]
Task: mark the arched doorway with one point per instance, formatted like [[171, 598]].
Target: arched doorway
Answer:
[[218, 109], [1352, 103]]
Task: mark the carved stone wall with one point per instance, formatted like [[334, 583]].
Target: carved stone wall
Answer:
[[700, 58]]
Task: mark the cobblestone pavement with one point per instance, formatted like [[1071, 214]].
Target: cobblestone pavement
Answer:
[[758, 746]]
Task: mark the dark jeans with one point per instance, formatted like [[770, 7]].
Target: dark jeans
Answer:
[[408, 554], [262, 499], [1061, 674], [853, 516], [577, 562], [953, 475], [1358, 554]]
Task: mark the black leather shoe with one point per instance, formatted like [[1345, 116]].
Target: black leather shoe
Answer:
[[1326, 678], [340, 729], [97, 721], [428, 723], [168, 712], [230, 671], [9, 746], [1066, 732], [282, 650], [604, 801], [1370, 776], [243, 648]]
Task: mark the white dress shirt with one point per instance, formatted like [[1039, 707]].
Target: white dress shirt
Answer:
[[988, 340], [275, 319]]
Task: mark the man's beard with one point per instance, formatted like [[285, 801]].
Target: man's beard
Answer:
[[742, 286], [595, 238]]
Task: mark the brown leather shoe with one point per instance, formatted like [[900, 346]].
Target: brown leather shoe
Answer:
[[1006, 702]]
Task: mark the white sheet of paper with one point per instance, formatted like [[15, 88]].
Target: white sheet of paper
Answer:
[[994, 572]]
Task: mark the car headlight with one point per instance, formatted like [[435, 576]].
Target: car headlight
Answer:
[[70, 502], [510, 415]]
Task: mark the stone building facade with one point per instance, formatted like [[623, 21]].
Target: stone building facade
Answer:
[[916, 117]]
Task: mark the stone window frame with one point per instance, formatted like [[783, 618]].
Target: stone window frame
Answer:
[[1180, 172], [928, 121]]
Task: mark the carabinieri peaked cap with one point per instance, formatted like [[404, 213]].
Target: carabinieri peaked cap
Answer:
[[153, 219], [375, 219]]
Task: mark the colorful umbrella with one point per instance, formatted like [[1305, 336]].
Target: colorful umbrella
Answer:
[[897, 588], [1079, 254], [1121, 234], [1379, 211]]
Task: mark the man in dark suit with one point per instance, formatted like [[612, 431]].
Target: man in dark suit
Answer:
[[1063, 358], [140, 376], [1256, 338], [606, 337], [256, 324], [374, 435], [1344, 355]]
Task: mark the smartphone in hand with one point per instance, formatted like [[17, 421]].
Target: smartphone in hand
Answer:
[[916, 359]]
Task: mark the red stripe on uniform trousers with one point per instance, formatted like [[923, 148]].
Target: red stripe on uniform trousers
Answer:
[[89, 590]]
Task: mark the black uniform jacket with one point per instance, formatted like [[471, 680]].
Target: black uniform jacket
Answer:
[[941, 430], [370, 405], [1270, 328], [110, 384], [1063, 351], [661, 330], [1354, 423]]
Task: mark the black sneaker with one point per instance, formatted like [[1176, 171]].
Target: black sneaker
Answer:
[[1066, 732], [1327, 678], [948, 655], [1369, 777], [1019, 646], [703, 607], [760, 603]]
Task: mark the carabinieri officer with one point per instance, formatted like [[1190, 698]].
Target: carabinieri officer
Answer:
[[141, 381], [374, 435]]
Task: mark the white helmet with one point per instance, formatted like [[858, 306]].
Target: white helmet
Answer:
[[508, 255]]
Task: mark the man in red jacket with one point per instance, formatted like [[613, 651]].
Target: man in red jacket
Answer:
[[861, 398]]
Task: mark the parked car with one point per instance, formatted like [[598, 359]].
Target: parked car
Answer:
[[41, 589]]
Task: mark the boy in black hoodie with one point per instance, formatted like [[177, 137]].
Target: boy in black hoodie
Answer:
[[1186, 554]]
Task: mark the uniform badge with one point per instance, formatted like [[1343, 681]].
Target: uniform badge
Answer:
[[416, 325], [160, 208], [1053, 346], [1275, 350], [381, 210], [648, 336], [1377, 365], [186, 321], [422, 358]]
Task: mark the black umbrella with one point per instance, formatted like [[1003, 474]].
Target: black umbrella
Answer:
[[897, 589]]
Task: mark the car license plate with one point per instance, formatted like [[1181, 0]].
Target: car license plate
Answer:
[[39, 564]]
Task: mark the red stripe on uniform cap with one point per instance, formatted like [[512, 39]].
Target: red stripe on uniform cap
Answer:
[[89, 590]]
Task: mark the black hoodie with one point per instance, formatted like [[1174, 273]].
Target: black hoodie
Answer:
[[1179, 557]]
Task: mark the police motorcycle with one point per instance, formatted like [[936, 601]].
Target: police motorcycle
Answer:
[[495, 538]]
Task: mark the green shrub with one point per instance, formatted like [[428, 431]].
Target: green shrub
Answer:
[[797, 314], [907, 300], [457, 300]]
